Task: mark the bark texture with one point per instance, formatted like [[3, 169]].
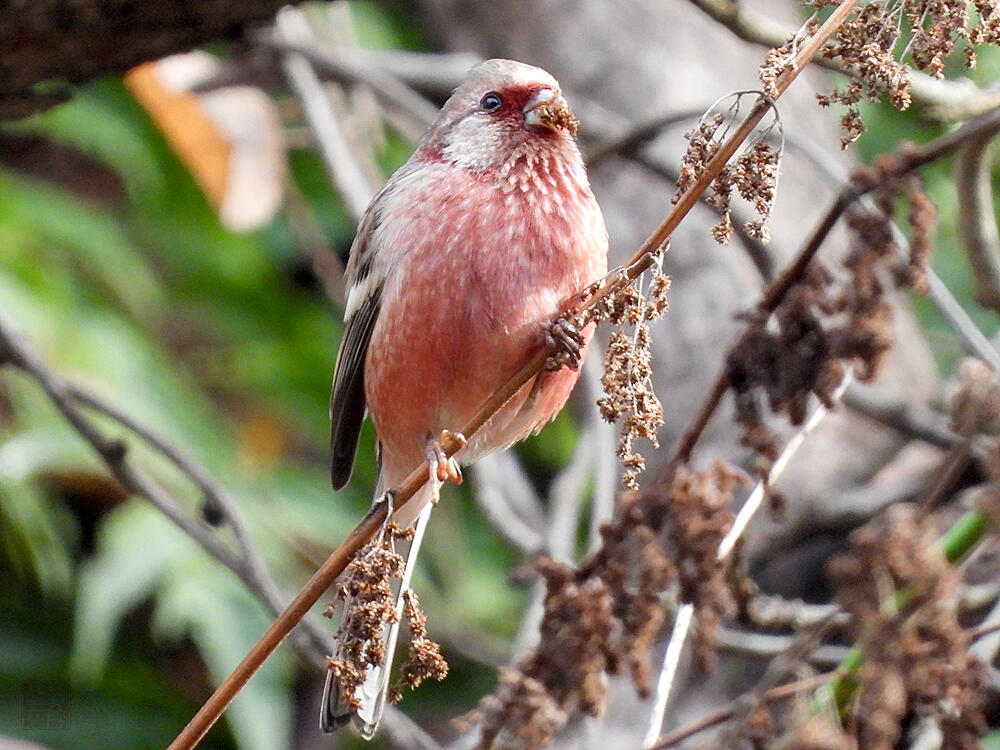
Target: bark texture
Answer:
[[73, 41]]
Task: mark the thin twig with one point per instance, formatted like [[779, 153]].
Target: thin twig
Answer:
[[253, 570], [780, 668], [945, 100], [747, 511], [437, 73], [326, 265], [985, 640], [403, 732], [772, 297], [316, 586], [757, 251], [972, 339], [248, 564], [908, 159], [753, 502], [606, 464], [976, 218], [390, 90], [15, 351], [528, 634], [773, 612], [627, 143], [770, 645], [341, 164], [912, 420], [668, 671], [494, 500], [984, 630], [646, 256], [724, 714], [564, 501]]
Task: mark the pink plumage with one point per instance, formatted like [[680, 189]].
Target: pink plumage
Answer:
[[476, 243]]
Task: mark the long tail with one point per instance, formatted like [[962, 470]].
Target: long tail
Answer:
[[334, 711]]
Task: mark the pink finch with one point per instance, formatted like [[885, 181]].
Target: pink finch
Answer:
[[470, 249]]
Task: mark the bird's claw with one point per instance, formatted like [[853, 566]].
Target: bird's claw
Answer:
[[563, 336], [441, 467]]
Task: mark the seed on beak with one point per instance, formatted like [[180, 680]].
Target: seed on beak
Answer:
[[548, 109]]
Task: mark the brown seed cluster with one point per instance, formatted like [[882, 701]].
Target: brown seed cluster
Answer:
[[700, 515], [369, 604], [975, 405], [901, 594], [780, 59], [634, 564], [828, 321], [974, 409], [605, 616], [819, 732], [987, 31], [753, 175], [629, 397], [366, 590], [566, 673], [922, 220], [867, 45], [558, 117], [424, 660]]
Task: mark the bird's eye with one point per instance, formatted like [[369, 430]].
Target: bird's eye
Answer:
[[491, 102]]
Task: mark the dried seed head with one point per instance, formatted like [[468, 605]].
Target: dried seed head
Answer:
[[627, 380], [975, 405], [566, 672], [700, 515], [867, 45], [366, 591], [916, 652], [424, 660], [753, 174]]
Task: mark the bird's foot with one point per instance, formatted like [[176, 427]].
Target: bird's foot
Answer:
[[565, 338], [441, 467]]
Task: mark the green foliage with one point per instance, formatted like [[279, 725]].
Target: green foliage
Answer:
[[202, 334], [223, 344], [192, 597]]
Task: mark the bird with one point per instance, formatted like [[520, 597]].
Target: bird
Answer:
[[460, 265]]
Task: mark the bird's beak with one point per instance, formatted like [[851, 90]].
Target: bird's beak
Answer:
[[547, 109]]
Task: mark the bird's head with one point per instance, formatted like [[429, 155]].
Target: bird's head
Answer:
[[503, 108]]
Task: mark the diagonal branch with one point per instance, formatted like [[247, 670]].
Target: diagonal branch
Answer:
[[728, 712], [247, 563], [944, 100], [904, 162], [591, 298], [908, 159]]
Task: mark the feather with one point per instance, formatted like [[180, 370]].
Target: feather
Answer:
[[347, 399]]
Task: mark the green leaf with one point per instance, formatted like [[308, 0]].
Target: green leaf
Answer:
[[31, 537], [136, 547], [71, 232], [142, 556]]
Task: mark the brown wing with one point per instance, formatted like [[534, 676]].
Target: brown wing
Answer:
[[347, 399]]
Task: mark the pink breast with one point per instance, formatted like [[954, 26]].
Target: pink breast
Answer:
[[473, 283]]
